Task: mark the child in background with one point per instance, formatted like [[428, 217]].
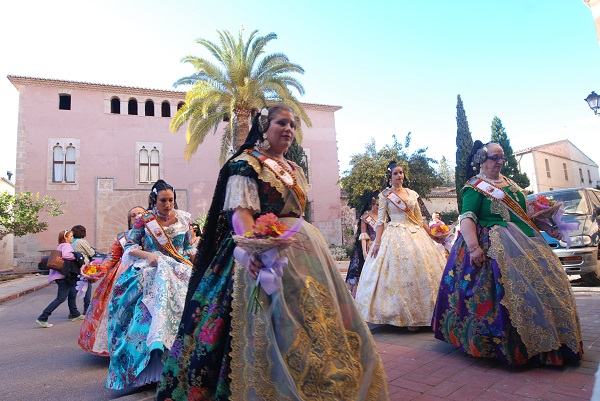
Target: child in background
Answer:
[[66, 288]]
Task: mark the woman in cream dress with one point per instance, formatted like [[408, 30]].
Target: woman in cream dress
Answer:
[[402, 272]]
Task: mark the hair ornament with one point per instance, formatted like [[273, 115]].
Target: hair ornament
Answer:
[[263, 120], [480, 156]]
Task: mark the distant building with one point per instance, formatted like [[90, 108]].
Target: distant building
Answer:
[[557, 165], [101, 147], [441, 200], [6, 243]]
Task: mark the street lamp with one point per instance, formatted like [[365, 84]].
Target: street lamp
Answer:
[[592, 101]]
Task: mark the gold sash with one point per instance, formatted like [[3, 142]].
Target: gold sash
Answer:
[[400, 204], [493, 192], [159, 234]]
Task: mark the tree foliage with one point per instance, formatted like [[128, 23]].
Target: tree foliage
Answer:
[[242, 81], [445, 172], [20, 213], [511, 166], [367, 172], [295, 153], [464, 144]]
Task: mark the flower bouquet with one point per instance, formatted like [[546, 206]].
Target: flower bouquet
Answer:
[[267, 237], [89, 273], [547, 215], [441, 231]]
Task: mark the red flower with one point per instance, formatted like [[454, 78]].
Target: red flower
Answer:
[[213, 333], [483, 308]]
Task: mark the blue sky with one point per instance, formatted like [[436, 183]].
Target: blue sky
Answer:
[[394, 67]]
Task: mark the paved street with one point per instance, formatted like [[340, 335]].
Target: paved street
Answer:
[[47, 364]]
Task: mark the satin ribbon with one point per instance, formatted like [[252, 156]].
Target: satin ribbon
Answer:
[[81, 287], [564, 227], [269, 276]]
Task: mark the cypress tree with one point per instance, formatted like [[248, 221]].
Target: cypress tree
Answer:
[[464, 144], [511, 167], [295, 153]]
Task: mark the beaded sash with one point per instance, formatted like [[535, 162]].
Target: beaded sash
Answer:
[[498, 194], [158, 233]]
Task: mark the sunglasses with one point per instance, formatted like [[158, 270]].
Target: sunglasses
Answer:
[[495, 158]]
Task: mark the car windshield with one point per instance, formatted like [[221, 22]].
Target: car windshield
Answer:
[[573, 200]]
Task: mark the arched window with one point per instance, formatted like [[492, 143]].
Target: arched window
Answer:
[[63, 163], [132, 107], [149, 108], [149, 164], [115, 105], [165, 109], [180, 105]]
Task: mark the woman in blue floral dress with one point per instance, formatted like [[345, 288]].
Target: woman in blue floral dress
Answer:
[[504, 294], [148, 298], [307, 341]]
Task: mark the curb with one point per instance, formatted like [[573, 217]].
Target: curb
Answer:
[[15, 295]]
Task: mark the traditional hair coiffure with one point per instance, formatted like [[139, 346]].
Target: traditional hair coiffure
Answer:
[[476, 157], [388, 174], [158, 186], [218, 223]]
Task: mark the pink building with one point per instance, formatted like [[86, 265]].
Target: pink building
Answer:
[[100, 147]]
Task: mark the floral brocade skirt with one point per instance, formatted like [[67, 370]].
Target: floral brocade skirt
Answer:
[[518, 307], [307, 342], [93, 335]]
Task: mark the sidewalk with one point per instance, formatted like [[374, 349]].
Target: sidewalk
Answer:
[[12, 289], [419, 367]]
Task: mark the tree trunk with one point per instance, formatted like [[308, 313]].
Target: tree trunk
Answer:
[[243, 126]]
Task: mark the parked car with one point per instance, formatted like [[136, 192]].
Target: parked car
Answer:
[[581, 205]]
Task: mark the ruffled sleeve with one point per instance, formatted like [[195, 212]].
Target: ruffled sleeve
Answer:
[[242, 192]]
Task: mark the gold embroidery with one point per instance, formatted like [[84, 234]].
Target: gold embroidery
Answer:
[[323, 360], [537, 295]]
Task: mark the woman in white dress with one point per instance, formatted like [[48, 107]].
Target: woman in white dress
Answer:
[[402, 272]]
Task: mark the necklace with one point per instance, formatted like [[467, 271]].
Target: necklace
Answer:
[[162, 217], [278, 168], [490, 179]]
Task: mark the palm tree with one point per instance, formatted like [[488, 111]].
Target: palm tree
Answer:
[[234, 89]]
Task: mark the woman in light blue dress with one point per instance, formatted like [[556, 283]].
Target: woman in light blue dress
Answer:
[[148, 298]]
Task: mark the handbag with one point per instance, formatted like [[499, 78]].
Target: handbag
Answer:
[[55, 260]]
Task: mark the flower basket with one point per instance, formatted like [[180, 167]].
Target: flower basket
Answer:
[[260, 245], [441, 231]]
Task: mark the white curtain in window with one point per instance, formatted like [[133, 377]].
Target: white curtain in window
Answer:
[[154, 165], [70, 164], [144, 165], [57, 164]]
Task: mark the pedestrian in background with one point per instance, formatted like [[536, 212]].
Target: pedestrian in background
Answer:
[[66, 285], [81, 245]]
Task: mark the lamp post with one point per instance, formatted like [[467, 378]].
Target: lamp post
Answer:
[[592, 101]]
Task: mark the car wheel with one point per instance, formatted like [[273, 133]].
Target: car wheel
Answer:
[[592, 279]]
